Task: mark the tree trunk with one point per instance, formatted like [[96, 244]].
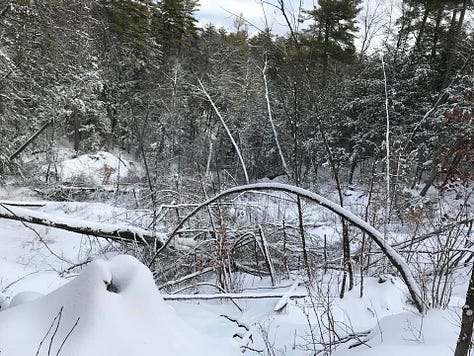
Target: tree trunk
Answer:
[[452, 168], [325, 55], [108, 231], [430, 181], [454, 41], [303, 238], [422, 29], [439, 16], [463, 344], [353, 167], [29, 141], [77, 134]]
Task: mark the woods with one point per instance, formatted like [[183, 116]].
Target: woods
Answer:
[[225, 137], [111, 74]]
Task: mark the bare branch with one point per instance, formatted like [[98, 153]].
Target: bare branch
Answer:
[[226, 129], [397, 261]]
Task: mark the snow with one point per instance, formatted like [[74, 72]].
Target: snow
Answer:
[[410, 334], [112, 308], [24, 297], [378, 238], [132, 318], [112, 230], [95, 169]]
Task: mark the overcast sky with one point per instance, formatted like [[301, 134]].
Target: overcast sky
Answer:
[[222, 13]]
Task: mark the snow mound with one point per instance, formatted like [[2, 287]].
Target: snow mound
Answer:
[[410, 334], [112, 309], [24, 297], [98, 169]]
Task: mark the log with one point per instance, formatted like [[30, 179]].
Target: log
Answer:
[[178, 297], [30, 140], [287, 296], [104, 230]]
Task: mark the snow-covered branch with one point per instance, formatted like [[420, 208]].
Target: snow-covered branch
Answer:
[[397, 261], [232, 296], [108, 231]]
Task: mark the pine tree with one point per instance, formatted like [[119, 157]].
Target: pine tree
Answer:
[[130, 59], [332, 32], [177, 25], [52, 66]]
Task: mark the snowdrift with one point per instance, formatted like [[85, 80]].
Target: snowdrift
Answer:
[[410, 334], [112, 309], [97, 169]]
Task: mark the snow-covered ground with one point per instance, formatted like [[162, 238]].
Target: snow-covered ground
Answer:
[[112, 307]]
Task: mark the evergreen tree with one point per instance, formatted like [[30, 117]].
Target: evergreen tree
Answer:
[[177, 25], [52, 67], [332, 32], [130, 60]]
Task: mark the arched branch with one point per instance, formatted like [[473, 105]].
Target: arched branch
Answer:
[[397, 261]]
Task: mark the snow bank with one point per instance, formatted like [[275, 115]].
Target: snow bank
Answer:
[[410, 334], [24, 297], [113, 308], [97, 169]]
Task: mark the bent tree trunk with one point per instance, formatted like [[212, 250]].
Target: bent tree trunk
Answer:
[[395, 259]]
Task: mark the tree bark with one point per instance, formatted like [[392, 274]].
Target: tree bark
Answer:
[[422, 29], [430, 181], [303, 238], [29, 141], [463, 344], [77, 133], [439, 16]]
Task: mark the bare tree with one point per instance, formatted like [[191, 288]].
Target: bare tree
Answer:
[[237, 149], [272, 123], [373, 22]]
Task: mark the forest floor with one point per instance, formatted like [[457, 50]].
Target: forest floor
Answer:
[[42, 267]]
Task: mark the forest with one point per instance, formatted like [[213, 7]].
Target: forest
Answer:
[[335, 160]]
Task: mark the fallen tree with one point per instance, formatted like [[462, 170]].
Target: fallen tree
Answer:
[[107, 231], [29, 141], [396, 260]]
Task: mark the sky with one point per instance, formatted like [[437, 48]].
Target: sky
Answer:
[[223, 12]]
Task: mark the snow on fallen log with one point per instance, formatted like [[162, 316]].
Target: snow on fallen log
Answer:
[[287, 296], [185, 278], [394, 257], [108, 231], [232, 296], [29, 204]]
